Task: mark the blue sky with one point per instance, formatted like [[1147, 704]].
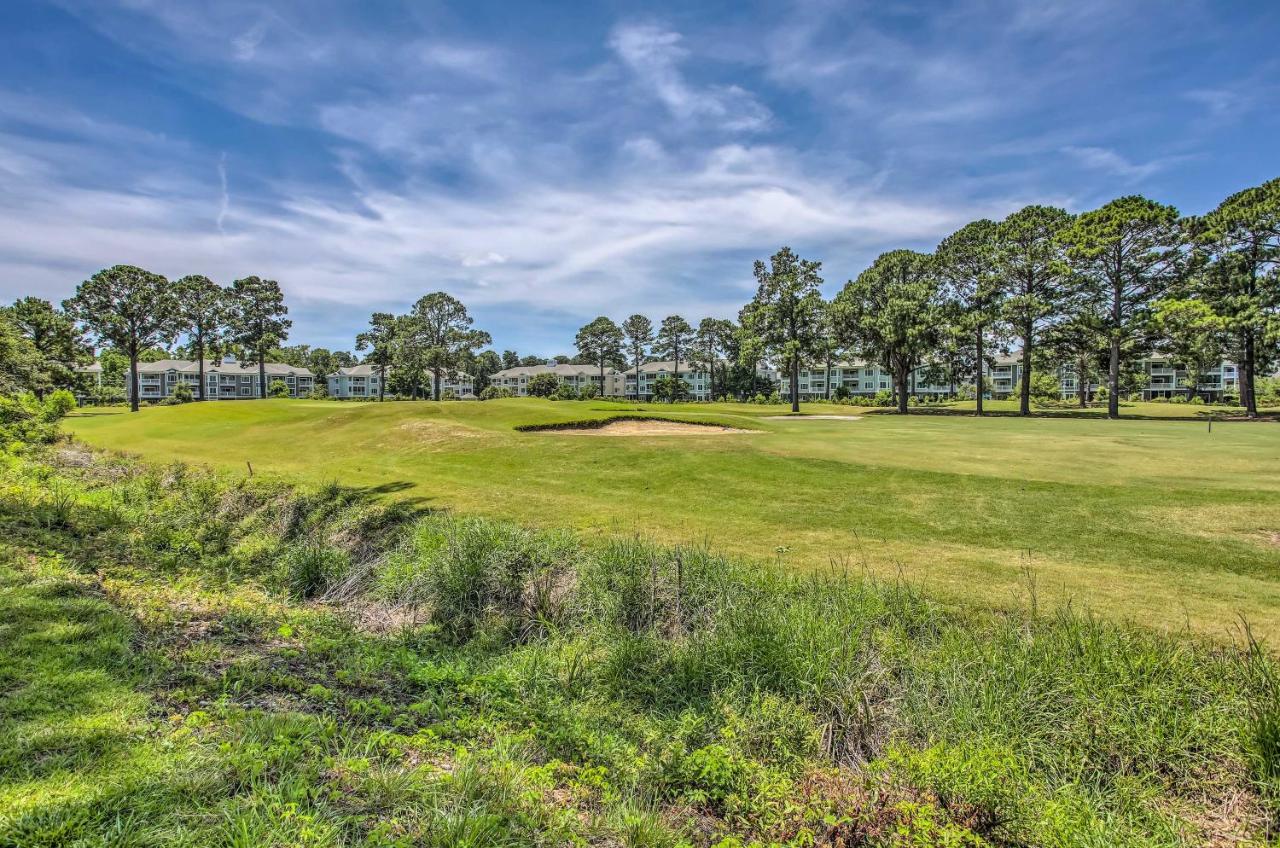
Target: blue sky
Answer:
[[548, 162]]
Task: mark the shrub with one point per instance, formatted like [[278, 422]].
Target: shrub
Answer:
[[840, 393], [884, 397], [307, 570], [318, 392], [590, 391], [23, 420], [495, 392], [278, 389], [182, 393], [448, 394], [564, 391], [478, 574], [57, 405]]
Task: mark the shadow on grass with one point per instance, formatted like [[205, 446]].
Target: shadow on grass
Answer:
[[1204, 416]]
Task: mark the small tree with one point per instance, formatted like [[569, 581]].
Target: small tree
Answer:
[[1077, 342], [58, 343], [278, 389], [204, 308], [258, 321], [892, 314], [380, 341], [129, 308], [787, 313], [182, 393], [637, 332], [1192, 334], [670, 389], [600, 343], [1125, 255], [542, 385]]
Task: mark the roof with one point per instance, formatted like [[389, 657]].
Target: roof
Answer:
[[91, 368], [211, 366], [667, 366], [368, 370], [560, 370], [363, 370]]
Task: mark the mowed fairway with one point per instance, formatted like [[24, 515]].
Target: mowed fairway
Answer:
[[1159, 521]]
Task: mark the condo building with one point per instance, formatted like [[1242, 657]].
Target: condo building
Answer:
[[225, 379]]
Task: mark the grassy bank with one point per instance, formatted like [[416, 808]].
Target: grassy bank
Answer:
[[1165, 522], [191, 661]]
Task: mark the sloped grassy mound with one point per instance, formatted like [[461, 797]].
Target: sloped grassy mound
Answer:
[[323, 668]]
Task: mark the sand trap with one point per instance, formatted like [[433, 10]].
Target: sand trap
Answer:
[[817, 418], [650, 428]]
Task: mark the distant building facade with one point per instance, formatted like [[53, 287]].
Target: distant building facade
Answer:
[[1164, 379], [363, 381], [225, 379], [575, 376]]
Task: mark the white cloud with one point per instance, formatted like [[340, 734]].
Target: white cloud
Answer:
[[245, 45], [655, 54], [224, 201], [1109, 161]]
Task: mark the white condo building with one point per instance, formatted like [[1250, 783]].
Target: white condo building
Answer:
[[225, 379], [362, 381]]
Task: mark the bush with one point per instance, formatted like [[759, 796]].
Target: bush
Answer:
[[57, 405], [884, 397], [448, 394], [542, 385], [107, 396], [182, 393], [278, 389], [495, 392], [318, 392], [590, 391], [23, 419], [840, 393]]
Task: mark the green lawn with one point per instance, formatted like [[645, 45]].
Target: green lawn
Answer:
[[1161, 521]]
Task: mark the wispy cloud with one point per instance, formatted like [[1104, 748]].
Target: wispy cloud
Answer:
[[654, 54], [224, 201], [1109, 161], [245, 45]]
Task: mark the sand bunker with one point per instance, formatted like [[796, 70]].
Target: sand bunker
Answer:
[[819, 418], [650, 428]]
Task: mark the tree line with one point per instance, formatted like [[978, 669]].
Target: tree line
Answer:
[[1093, 292]]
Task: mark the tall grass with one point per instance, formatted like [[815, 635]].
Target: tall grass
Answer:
[[770, 703]]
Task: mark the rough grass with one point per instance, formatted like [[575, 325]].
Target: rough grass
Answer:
[[1159, 521], [168, 676]]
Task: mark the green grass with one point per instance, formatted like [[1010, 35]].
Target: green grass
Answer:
[[1166, 522], [189, 661]]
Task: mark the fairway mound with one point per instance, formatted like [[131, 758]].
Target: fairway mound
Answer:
[[635, 426]]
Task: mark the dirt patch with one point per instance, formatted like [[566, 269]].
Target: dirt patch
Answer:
[[650, 428]]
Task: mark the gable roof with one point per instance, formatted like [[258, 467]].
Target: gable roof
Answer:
[[188, 366]]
